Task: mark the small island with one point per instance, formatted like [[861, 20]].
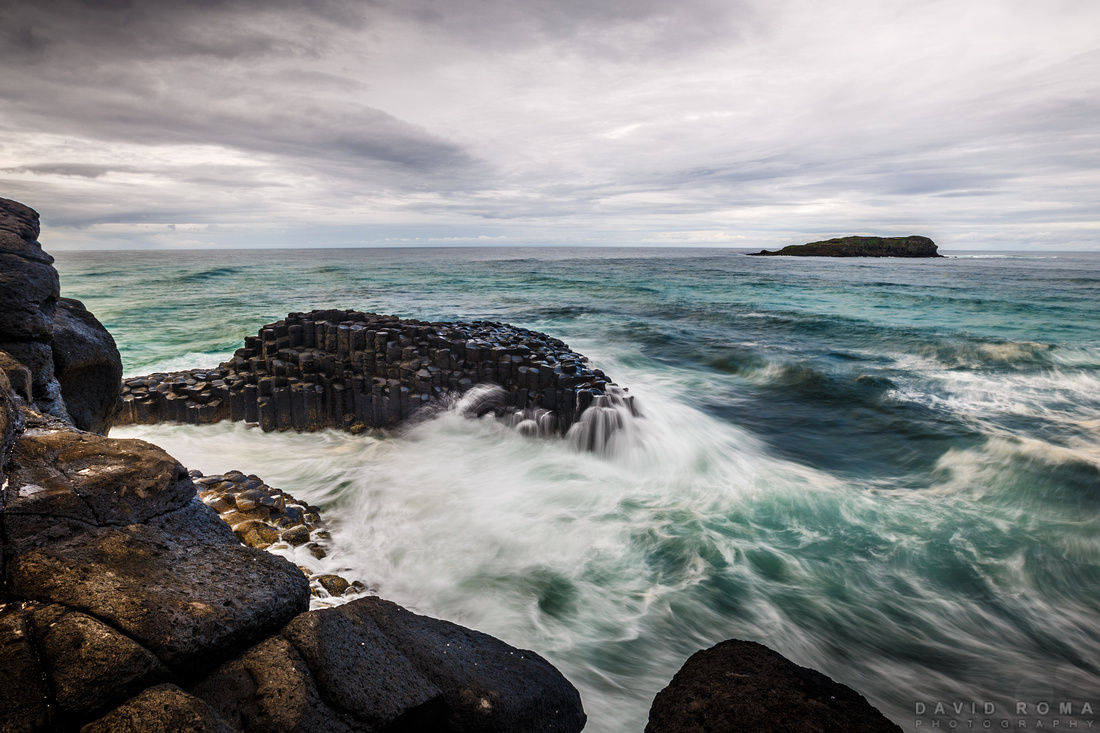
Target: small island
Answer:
[[913, 246]]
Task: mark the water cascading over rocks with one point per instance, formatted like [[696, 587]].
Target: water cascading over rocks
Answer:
[[352, 370]]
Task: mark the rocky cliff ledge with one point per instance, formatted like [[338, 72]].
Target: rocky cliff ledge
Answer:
[[52, 346], [352, 370], [127, 604], [860, 247]]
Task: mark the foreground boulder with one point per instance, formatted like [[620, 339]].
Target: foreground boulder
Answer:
[[746, 687], [87, 366], [373, 665], [860, 247]]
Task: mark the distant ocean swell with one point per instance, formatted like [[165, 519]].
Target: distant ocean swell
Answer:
[[889, 471]]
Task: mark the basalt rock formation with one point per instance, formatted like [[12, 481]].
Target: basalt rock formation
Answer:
[[128, 604], [268, 518], [744, 686], [913, 246], [352, 370], [58, 357]]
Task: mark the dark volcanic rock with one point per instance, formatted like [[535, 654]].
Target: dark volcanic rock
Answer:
[[37, 357], [24, 701], [18, 375], [744, 686], [352, 370], [161, 709], [90, 479], [487, 684], [180, 585], [360, 672], [72, 360], [87, 365], [19, 230], [372, 665], [270, 690], [90, 664], [913, 246], [28, 296], [11, 421]]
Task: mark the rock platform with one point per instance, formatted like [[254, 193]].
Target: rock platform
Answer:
[[352, 370]]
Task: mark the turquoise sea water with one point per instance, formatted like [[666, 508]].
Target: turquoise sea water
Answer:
[[888, 470]]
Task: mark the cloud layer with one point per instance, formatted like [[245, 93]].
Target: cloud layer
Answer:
[[752, 123]]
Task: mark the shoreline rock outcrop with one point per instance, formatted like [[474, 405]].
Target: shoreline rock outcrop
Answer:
[[351, 370], [745, 686], [912, 246], [57, 356]]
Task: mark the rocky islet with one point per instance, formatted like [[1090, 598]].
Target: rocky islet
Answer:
[[859, 246]]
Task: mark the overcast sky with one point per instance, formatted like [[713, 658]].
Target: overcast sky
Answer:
[[745, 123]]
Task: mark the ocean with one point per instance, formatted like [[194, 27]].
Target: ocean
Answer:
[[887, 470]]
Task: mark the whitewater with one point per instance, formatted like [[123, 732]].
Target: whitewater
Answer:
[[888, 470]]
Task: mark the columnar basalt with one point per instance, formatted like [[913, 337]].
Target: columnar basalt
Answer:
[[353, 370], [271, 519]]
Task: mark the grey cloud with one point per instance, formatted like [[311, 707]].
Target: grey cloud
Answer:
[[622, 30], [170, 72], [81, 170], [228, 30], [224, 29], [279, 124]]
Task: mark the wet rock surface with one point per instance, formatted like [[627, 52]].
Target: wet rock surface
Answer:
[[89, 664], [24, 697], [487, 684], [353, 371], [182, 585], [744, 686], [59, 477]]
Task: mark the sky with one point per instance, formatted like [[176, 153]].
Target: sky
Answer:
[[736, 123]]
